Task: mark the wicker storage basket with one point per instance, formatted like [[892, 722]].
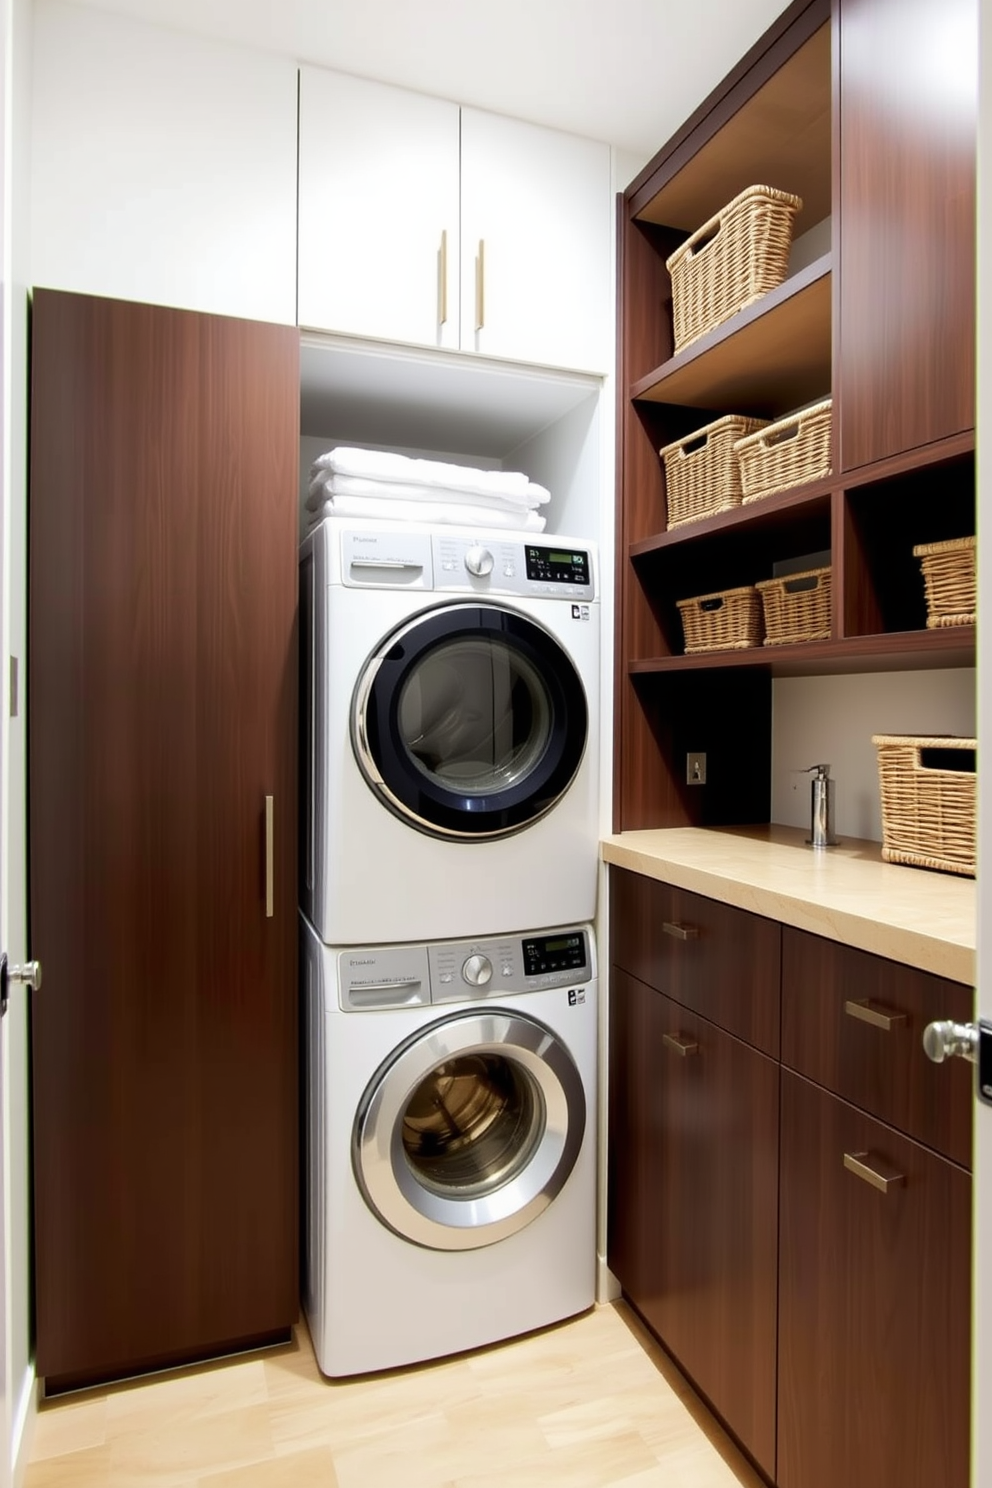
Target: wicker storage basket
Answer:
[[787, 453], [730, 621], [797, 607], [702, 474], [928, 806], [731, 261], [949, 581]]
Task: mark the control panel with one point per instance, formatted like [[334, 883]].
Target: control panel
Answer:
[[489, 564], [457, 971]]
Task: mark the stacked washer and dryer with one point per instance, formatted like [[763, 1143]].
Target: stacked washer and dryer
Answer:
[[449, 778]]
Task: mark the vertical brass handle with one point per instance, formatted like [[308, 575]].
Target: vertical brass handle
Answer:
[[680, 932], [879, 1174], [270, 854], [480, 286], [875, 1014], [442, 280], [679, 1045]]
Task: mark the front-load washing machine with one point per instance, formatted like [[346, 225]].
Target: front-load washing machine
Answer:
[[450, 1143], [449, 731]]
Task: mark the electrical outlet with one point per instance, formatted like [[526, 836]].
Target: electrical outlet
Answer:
[[695, 769]]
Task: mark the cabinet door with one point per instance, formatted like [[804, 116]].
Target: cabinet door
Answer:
[[693, 1206], [163, 166], [378, 216], [908, 87], [874, 1304], [539, 288], [163, 713]]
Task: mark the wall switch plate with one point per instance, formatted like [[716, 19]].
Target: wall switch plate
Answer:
[[695, 769]]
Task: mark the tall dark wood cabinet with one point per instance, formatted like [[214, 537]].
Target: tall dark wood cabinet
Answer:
[[162, 697]]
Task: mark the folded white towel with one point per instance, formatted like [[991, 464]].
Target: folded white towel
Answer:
[[442, 512], [327, 484], [380, 465]]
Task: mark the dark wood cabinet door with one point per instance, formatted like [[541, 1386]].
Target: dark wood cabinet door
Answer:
[[693, 1210], [874, 1304], [854, 1022], [722, 962], [904, 355], [163, 676]]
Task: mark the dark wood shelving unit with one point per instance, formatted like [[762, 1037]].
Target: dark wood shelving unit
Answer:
[[777, 120]]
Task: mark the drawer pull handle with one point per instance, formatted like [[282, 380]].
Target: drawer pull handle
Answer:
[[680, 932], [879, 1174], [679, 1045], [875, 1014]]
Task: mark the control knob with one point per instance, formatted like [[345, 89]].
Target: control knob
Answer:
[[479, 561], [477, 970]]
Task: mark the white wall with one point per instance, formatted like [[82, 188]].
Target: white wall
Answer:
[[832, 719], [13, 864]]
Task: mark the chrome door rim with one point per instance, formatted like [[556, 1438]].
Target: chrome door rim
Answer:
[[386, 1177]]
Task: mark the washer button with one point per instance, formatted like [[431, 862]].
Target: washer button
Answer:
[[477, 970]]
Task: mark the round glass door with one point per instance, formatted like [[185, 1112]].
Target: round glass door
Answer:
[[470, 721], [470, 1130]]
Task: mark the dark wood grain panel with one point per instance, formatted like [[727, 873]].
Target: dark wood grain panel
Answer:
[[874, 1305], [907, 224], [884, 1072], [728, 969], [162, 603], [694, 1214]]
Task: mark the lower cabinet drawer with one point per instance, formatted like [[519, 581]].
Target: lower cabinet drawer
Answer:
[[693, 1199], [717, 960], [854, 1022], [874, 1303]]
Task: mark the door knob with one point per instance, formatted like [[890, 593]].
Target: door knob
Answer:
[[945, 1039], [29, 975]]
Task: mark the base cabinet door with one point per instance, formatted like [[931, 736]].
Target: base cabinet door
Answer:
[[163, 683], [874, 1303], [693, 1210]]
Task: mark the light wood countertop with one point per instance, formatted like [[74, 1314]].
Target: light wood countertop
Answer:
[[844, 893]]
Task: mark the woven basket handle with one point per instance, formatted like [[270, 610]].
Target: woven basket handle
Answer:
[[716, 603], [802, 584], [693, 446], [704, 236], [783, 436], [957, 761]]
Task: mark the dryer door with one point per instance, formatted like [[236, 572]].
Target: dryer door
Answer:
[[470, 1130], [470, 721]]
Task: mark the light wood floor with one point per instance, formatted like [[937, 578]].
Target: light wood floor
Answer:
[[591, 1403]]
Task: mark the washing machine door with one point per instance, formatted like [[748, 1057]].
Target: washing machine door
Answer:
[[469, 1130], [470, 721]]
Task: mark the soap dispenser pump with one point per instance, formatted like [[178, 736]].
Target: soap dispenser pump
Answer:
[[821, 820]]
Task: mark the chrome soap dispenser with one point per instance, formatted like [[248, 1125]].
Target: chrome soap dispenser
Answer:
[[821, 817]]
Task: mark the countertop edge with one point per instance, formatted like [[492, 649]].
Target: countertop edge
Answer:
[[927, 950]]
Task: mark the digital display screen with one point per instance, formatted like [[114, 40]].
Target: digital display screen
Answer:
[[547, 954], [556, 566]]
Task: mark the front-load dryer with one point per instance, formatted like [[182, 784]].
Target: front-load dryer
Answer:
[[450, 1143], [450, 728]]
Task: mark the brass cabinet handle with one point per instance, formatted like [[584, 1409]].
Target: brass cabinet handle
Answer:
[[680, 932], [270, 855], [875, 1014], [679, 1045], [442, 280], [879, 1174], [480, 286]]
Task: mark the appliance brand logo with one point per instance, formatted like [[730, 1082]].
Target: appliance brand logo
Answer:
[[580, 612], [361, 960], [576, 996]]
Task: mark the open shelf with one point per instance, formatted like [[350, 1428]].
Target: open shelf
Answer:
[[780, 136], [771, 357], [910, 650], [771, 513]]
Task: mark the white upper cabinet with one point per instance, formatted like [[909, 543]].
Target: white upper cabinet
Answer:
[[378, 219], [536, 229], [398, 190], [163, 166]]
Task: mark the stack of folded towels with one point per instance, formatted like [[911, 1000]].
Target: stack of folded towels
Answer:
[[371, 484]]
